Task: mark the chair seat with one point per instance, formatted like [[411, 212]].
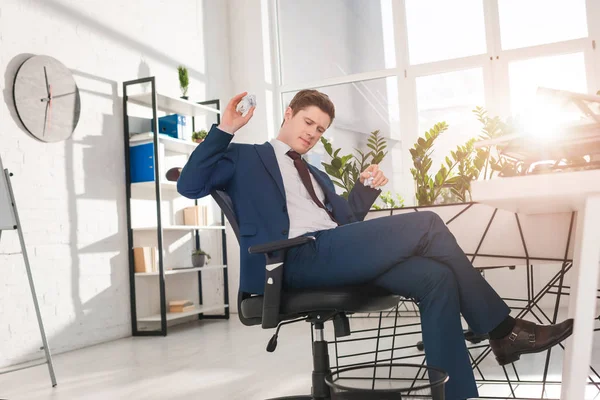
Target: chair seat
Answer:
[[349, 299]]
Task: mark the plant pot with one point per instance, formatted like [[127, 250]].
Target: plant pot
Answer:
[[184, 97], [198, 260], [198, 140]]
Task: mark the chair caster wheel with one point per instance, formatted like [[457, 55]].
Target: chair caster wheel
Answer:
[[420, 346]]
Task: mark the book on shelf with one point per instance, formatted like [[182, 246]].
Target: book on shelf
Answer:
[[181, 306], [145, 259], [195, 215]]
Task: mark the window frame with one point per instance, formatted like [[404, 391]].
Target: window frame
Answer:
[[494, 63]]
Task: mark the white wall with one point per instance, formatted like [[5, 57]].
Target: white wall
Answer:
[[71, 195]]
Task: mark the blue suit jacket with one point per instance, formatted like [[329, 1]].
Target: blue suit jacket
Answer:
[[250, 175]]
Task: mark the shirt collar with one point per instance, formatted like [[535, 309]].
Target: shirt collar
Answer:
[[280, 148]]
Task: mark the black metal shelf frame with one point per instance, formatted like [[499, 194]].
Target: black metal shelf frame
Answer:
[[159, 230], [527, 306]]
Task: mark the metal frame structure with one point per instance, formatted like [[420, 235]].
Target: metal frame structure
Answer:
[[19, 228], [529, 305], [159, 230]]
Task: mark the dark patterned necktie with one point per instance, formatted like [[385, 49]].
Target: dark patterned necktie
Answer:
[[305, 177]]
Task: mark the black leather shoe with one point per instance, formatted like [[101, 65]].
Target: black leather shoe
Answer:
[[528, 337]]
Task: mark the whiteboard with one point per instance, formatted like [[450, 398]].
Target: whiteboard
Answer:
[[7, 216]]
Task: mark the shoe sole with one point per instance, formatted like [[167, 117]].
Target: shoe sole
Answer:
[[517, 356]]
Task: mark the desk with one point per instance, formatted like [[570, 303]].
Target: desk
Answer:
[[560, 192]]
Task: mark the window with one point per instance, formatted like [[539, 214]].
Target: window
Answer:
[[347, 49], [565, 72], [324, 39], [450, 97], [360, 108], [533, 22], [442, 30]]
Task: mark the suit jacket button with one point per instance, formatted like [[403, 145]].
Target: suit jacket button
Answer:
[[284, 209], [284, 232]]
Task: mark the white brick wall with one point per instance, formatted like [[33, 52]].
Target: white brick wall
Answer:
[[71, 195]]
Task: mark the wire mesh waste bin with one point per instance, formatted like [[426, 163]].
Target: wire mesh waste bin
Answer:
[[387, 382]]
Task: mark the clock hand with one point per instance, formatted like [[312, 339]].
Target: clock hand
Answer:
[[45, 119], [49, 107], [47, 84], [62, 95]]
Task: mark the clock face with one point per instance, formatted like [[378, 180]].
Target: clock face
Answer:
[[46, 98]]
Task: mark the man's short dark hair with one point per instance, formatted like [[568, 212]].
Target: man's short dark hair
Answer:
[[310, 97]]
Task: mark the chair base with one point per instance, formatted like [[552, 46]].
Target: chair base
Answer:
[[320, 390]]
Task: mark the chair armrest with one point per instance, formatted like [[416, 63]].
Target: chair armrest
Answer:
[[280, 245], [275, 254], [272, 295]]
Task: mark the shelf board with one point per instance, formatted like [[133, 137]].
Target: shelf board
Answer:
[[181, 228], [171, 144], [165, 185], [182, 271], [172, 316], [173, 105]]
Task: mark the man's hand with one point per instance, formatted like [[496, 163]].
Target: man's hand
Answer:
[[231, 120], [373, 171]]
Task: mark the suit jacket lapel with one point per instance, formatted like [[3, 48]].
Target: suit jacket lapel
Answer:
[[267, 156], [321, 181]]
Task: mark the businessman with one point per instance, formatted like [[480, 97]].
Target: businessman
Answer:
[[277, 195]]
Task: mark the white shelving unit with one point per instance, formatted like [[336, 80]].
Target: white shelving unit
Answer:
[[171, 144], [173, 316], [173, 105], [164, 146], [182, 270], [181, 228], [165, 186]]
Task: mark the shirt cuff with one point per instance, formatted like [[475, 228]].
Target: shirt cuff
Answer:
[[221, 130]]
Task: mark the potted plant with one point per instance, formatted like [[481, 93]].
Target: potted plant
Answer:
[[199, 136], [452, 182], [389, 201], [184, 81], [345, 170], [199, 258]]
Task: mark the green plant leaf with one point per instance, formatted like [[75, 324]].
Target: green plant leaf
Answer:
[[333, 171], [336, 163], [338, 184]]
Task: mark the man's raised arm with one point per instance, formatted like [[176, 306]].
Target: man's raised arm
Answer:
[[212, 163]]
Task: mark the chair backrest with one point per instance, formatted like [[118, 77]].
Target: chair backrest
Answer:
[[224, 202], [226, 205]]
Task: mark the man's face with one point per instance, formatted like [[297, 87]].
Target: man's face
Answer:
[[302, 131]]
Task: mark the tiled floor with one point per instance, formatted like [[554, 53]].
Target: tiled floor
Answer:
[[226, 360]]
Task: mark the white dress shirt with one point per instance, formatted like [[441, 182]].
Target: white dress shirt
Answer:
[[305, 215]]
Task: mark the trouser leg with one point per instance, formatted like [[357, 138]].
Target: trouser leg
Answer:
[[361, 252], [434, 287]]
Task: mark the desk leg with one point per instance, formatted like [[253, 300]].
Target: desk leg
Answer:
[[582, 305]]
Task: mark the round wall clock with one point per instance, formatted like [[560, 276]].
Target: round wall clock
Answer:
[[46, 98]]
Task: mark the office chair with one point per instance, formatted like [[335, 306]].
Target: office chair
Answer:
[[279, 306]]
